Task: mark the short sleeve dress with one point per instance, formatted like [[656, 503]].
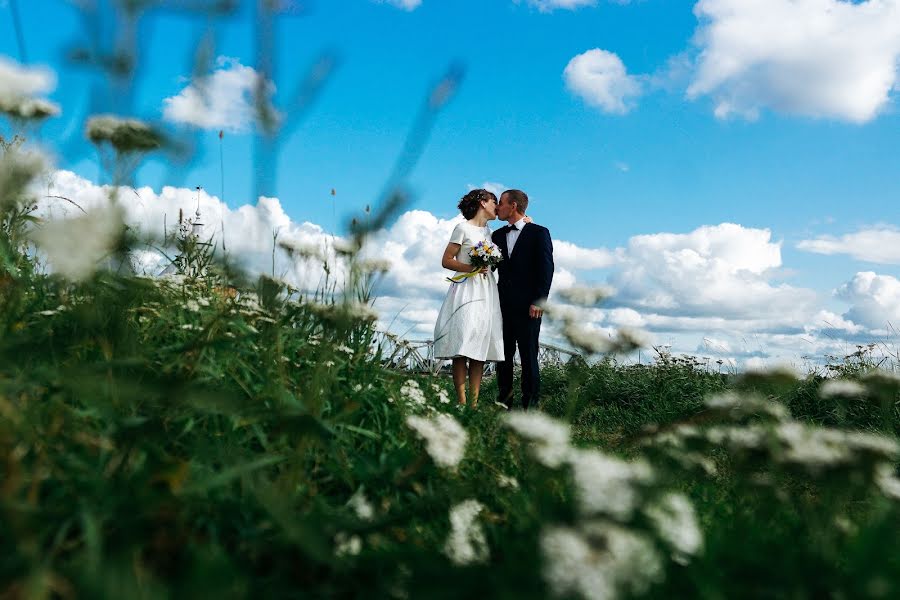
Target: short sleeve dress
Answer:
[[469, 323]]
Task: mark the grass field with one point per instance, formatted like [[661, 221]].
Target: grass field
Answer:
[[185, 438]]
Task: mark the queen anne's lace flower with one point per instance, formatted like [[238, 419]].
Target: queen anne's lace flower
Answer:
[[607, 485], [549, 437], [361, 506], [347, 545], [75, 246], [598, 562], [445, 439], [675, 520], [843, 388], [466, 543]]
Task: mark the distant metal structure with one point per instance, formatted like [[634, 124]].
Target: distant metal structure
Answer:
[[418, 355]]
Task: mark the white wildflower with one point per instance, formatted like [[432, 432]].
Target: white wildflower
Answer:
[[598, 563], [190, 327], [125, 135], [443, 396], [812, 446], [841, 388], [886, 448], [466, 543], [675, 520], [586, 296], [445, 439], [28, 108], [887, 481], [505, 481], [412, 393], [584, 339], [549, 438], [47, 313], [17, 169], [747, 403], [17, 80], [361, 506], [358, 387], [606, 484], [192, 305], [362, 311], [18, 87], [373, 265], [203, 301], [329, 363], [74, 246], [347, 545], [345, 349]]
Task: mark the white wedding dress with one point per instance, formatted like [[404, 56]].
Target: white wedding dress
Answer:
[[469, 323]]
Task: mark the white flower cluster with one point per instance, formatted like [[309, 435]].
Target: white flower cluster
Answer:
[[74, 246], [586, 296], [17, 170], [841, 388], [125, 135], [466, 543], [413, 395], [549, 438], [445, 439], [746, 404], [607, 485], [347, 545], [361, 506], [600, 558], [443, 396], [676, 522], [18, 87], [598, 561], [783, 440]]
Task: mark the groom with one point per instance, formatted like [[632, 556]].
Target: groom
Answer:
[[525, 275]]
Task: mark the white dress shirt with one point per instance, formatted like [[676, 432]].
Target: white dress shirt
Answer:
[[513, 234]]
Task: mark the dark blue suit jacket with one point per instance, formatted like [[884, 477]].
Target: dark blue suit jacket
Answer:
[[525, 277]]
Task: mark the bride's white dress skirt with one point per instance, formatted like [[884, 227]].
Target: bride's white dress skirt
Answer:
[[469, 323]]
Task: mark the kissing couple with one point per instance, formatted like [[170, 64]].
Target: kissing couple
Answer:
[[482, 320]]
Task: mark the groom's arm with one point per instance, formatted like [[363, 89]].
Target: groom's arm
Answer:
[[544, 265]]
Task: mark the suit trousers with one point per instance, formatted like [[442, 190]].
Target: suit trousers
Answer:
[[520, 330]]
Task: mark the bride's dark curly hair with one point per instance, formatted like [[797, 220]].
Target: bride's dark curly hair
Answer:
[[471, 202]]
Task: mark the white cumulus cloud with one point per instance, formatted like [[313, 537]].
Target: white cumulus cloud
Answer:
[[222, 100], [722, 270], [817, 58], [599, 77], [874, 299], [878, 245]]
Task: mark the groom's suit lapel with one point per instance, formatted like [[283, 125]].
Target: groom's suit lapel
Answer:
[[501, 241]]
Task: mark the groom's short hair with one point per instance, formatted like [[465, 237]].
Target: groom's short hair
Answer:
[[519, 197]]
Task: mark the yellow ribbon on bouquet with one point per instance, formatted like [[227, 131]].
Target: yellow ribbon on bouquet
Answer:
[[463, 276]]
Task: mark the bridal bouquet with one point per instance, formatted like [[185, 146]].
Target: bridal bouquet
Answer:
[[484, 254]]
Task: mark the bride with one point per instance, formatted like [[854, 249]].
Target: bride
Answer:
[[469, 328]]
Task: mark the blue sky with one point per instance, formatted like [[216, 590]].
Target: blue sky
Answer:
[[798, 138]]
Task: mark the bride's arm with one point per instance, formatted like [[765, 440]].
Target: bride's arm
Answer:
[[448, 261]]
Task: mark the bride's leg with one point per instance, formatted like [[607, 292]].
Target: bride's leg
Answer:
[[459, 378], [476, 371]]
